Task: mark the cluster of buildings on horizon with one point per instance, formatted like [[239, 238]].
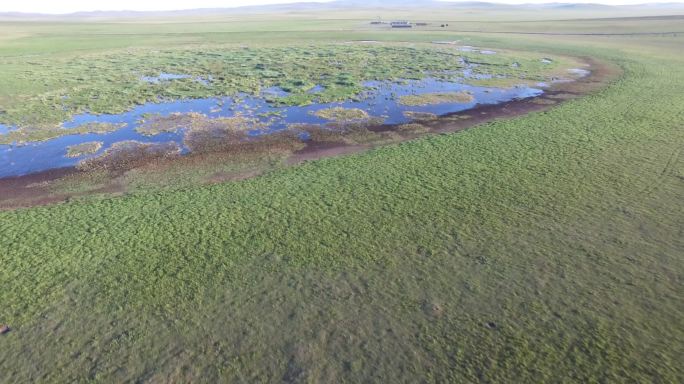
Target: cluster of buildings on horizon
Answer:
[[404, 24]]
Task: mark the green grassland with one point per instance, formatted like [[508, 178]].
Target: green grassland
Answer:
[[545, 248]]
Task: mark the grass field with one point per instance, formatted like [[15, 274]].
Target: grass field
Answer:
[[545, 248]]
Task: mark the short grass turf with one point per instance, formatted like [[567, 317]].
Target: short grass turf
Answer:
[[546, 248]]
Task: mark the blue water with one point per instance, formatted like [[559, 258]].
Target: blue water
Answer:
[[379, 100], [317, 89], [5, 129]]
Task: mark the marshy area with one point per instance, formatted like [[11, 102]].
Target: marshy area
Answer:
[[272, 119]]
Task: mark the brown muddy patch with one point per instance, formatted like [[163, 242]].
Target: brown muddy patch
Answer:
[[219, 141], [239, 143], [126, 155], [420, 116], [433, 308], [346, 132]]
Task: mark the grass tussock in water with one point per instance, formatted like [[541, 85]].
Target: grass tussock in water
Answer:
[[157, 124], [83, 149], [24, 135], [436, 98], [341, 114]]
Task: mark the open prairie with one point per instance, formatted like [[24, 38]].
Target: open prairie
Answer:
[[372, 235]]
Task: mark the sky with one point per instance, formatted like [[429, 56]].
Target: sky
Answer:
[[67, 6]]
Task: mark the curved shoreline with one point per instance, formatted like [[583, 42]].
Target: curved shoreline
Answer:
[[34, 189], [601, 74]]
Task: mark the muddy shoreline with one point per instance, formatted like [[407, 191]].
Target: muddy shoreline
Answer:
[[35, 188]]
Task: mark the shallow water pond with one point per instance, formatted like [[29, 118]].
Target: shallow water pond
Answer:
[[380, 100]]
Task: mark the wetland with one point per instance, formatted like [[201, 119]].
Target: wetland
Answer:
[[241, 94], [242, 130]]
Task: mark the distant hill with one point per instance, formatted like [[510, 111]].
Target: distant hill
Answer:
[[571, 6], [338, 4]]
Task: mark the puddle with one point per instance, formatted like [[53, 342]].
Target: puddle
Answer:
[[380, 100], [4, 129], [316, 89]]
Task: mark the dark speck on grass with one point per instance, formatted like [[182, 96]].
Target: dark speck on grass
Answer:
[[4, 329], [491, 325], [433, 309]]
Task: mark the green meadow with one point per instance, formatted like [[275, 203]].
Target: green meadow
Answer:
[[542, 248]]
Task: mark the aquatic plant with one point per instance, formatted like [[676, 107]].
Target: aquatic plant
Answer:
[[25, 135], [155, 124], [341, 114], [82, 149], [436, 98]]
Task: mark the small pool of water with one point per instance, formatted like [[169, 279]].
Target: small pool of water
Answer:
[[4, 129], [316, 89], [380, 100]]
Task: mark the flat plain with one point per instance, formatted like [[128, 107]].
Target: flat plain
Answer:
[[538, 248]]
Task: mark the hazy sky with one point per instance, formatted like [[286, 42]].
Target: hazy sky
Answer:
[[65, 6]]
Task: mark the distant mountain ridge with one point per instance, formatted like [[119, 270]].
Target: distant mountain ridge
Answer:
[[338, 4]]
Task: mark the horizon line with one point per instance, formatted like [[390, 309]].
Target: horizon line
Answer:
[[322, 2]]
